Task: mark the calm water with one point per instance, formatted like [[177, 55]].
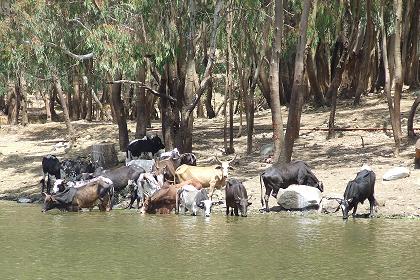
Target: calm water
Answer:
[[126, 245]]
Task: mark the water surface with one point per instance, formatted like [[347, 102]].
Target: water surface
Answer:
[[127, 245]]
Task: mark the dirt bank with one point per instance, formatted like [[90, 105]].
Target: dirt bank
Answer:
[[334, 161]]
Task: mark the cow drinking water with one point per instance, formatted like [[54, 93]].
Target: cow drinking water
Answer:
[[357, 191], [236, 198]]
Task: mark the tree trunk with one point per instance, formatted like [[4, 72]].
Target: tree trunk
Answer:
[[47, 104], [104, 155], [76, 95], [165, 112], [264, 85], [398, 66], [313, 80], [58, 90], [405, 32], [18, 95], [322, 67], [24, 98], [141, 115], [228, 91], [387, 88], [332, 90], [209, 108], [295, 110], [413, 65], [89, 111], [410, 129], [363, 72], [118, 106], [278, 134]]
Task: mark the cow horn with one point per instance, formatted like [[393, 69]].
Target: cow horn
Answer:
[[339, 200], [233, 158]]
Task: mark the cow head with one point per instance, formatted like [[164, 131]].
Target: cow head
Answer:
[[49, 202], [344, 205], [243, 206], [157, 142], [207, 204], [225, 166]]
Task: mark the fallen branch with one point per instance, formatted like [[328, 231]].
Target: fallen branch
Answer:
[[142, 85]]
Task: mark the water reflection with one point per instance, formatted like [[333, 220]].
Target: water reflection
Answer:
[[124, 244]]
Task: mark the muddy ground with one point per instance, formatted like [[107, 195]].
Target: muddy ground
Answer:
[[334, 161]]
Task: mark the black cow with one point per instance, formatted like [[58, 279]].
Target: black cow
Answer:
[[50, 166], [236, 198], [283, 175], [120, 176], [145, 145], [358, 190]]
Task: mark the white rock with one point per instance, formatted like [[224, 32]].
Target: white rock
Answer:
[[396, 173], [299, 197]]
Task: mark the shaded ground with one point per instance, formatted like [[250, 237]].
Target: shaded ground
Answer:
[[335, 161]]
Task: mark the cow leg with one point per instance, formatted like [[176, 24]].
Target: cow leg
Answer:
[[354, 211], [372, 203], [266, 197], [236, 211], [211, 191], [227, 210]]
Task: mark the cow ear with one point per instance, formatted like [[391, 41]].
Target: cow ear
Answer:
[[350, 200], [201, 204], [219, 167], [249, 203], [231, 168]]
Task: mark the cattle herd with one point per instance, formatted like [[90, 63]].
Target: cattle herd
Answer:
[[161, 182]]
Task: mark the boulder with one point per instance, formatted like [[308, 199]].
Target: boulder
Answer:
[[267, 149], [299, 197], [396, 173], [24, 200], [329, 205]]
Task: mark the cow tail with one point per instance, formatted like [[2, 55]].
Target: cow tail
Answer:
[[261, 184]]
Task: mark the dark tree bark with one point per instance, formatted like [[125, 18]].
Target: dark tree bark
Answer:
[[412, 72], [24, 99], [209, 108], [363, 71], [387, 88], [295, 110], [59, 91], [118, 106], [410, 128], [398, 79], [141, 116], [278, 134], [332, 90], [313, 80], [322, 66], [76, 95]]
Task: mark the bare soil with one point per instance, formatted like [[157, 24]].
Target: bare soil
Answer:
[[334, 161]]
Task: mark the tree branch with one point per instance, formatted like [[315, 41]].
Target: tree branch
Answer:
[[69, 53], [211, 58], [140, 84]]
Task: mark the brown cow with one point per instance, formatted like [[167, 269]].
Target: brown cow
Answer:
[[166, 167], [98, 193], [164, 200]]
